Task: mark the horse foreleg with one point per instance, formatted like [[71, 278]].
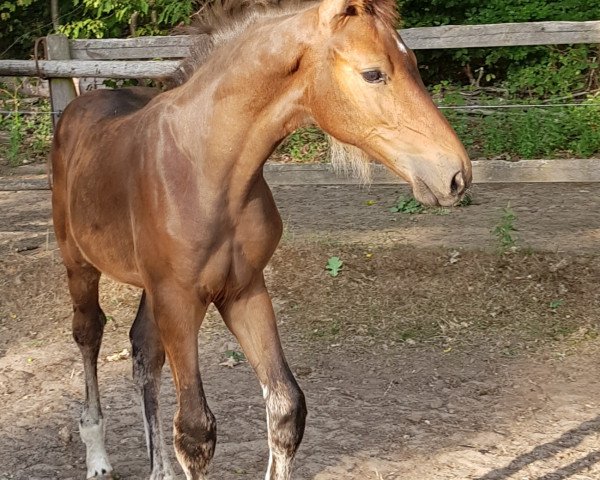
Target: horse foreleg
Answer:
[[178, 315], [251, 319], [88, 327], [148, 360]]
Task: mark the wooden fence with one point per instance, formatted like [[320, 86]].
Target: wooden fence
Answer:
[[156, 57]]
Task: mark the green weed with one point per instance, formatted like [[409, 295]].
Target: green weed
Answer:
[[466, 200], [334, 266], [504, 230], [29, 136], [235, 355], [408, 205], [412, 206], [554, 304]]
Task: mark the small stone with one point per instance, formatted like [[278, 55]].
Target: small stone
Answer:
[[65, 435]]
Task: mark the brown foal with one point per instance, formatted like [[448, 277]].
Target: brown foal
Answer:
[[166, 192]]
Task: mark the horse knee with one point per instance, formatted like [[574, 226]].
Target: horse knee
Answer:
[[286, 415], [195, 437], [88, 326]]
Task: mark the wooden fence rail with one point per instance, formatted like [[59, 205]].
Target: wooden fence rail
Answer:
[[571, 170], [156, 57], [88, 68], [100, 58]]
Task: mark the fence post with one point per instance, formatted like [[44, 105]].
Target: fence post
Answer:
[[62, 90]]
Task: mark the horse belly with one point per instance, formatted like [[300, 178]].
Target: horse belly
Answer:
[[100, 224]]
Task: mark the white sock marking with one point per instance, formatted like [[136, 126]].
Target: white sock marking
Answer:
[[96, 457]]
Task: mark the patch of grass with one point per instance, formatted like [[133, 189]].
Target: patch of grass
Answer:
[[408, 205], [28, 136], [466, 200], [504, 230], [15, 139], [412, 206]]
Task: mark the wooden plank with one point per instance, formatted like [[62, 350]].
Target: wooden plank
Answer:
[[31, 182], [502, 35], [537, 171], [447, 36], [62, 90], [176, 46], [484, 171], [89, 68]]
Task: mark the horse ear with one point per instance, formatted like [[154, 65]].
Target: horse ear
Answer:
[[330, 9], [385, 10]]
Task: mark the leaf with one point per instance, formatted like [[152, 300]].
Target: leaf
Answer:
[[237, 356], [334, 266], [408, 205], [554, 304], [234, 358]]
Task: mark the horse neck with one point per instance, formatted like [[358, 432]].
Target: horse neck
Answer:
[[240, 104]]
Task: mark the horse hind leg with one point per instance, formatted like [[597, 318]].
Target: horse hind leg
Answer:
[[88, 327], [148, 361]]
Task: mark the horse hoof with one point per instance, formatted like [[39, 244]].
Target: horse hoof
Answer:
[[102, 476]]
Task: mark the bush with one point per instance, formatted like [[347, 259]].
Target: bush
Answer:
[[28, 135], [540, 70], [530, 132]]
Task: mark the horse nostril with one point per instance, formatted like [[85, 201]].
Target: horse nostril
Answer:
[[457, 186]]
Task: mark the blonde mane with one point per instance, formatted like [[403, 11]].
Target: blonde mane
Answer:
[[350, 161], [220, 22]]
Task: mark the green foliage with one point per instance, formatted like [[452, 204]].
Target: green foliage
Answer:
[[529, 132], [543, 70], [411, 206], [12, 124], [305, 144], [28, 135], [116, 18], [559, 72], [334, 266], [25, 20], [22, 22], [235, 355], [408, 205], [554, 304], [466, 200], [15, 138], [504, 230], [38, 128]]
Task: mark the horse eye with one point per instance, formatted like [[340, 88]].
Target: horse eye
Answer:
[[373, 76]]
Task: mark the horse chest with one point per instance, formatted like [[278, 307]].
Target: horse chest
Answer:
[[232, 264]]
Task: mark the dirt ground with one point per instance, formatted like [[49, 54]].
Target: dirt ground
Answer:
[[430, 357]]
